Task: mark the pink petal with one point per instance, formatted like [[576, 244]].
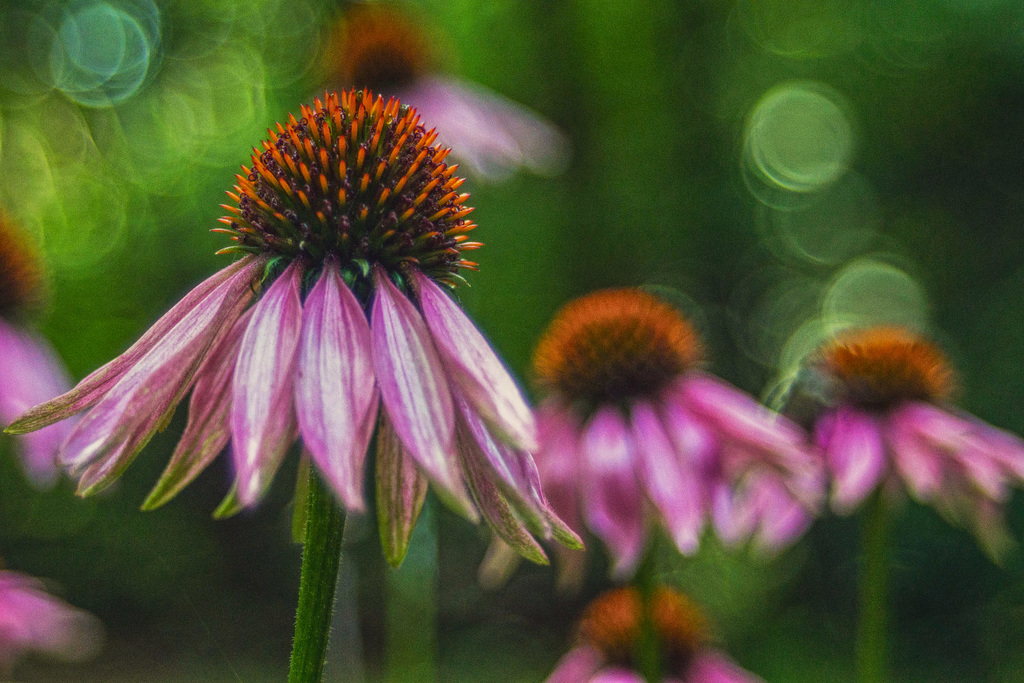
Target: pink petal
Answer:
[[263, 423], [856, 456], [500, 463], [401, 490], [756, 433], [617, 675], [492, 134], [559, 463], [672, 488], [91, 389], [33, 620], [710, 666], [119, 426], [208, 430], [579, 665], [918, 462], [335, 392], [500, 515], [612, 503], [782, 519], [30, 374], [475, 368], [734, 512], [414, 387]]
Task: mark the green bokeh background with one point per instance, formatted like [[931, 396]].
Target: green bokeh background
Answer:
[[117, 173]]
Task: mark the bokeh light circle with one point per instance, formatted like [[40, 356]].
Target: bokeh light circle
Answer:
[[100, 54], [799, 137], [870, 291]]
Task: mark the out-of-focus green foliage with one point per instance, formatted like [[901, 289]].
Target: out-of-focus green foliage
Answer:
[[781, 168]]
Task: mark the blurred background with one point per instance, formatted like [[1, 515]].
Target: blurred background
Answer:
[[779, 168]]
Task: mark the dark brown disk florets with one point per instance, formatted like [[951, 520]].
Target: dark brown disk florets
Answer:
[[379, 48], [612, 623], [21, 277], [614, 345], [882, 366], [357, 178]]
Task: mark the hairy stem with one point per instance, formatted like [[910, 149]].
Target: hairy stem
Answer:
[[321, 557]]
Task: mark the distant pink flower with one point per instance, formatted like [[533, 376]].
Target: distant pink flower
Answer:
[[30, 372], [631, 426], [889, 425], [609, 634], [32, 620], [386, 50], [333, 326]]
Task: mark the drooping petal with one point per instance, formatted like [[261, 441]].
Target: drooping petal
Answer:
[[559, 463], [91, 389], [335, 392], [673, 489], [497, 511], [263, 423], [414, 388], [855, 453], [33, 620], [30, 374], [476, 445], [756, 433], [612, 501], [114, 431], [781, 519], [401, 490], [733, 511], [208, 430], [475, 368], [918, 463], [579, 665], [492, 134], [710, 666], [617, 675]]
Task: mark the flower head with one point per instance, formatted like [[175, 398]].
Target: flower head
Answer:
[[29, 369], [609, 636], [631, 423], [387, 50], [32, 620], [335, 326], [887, 423]]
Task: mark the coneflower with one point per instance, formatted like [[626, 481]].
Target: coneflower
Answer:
[[381, 48], [335, 324], [886, 427], [631, 423], [610, 635], [29, 370]]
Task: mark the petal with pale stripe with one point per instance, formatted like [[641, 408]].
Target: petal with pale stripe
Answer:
[[263, 423], [401, 490], [335, 392], [413, 387], [475, 368]]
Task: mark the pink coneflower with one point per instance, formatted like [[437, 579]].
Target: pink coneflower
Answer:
[[29, 370], [609, 637], [889, 424], [32, 620], [382, 48], [334, 325], [632, 425]]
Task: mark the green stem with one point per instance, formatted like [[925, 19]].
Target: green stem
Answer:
[[876, 550], [648, 654], [321, 557]]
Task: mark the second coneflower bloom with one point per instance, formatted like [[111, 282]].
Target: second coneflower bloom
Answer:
[[388, 50], [29, 369], [888, 422], [632, 425], [335, 324], [609, 637]]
